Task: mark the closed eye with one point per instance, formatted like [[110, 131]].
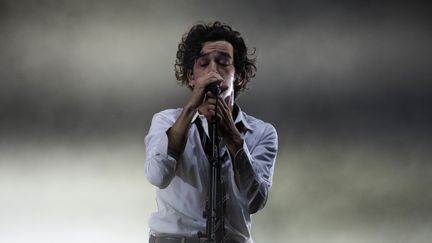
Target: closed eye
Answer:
[[224, 61]]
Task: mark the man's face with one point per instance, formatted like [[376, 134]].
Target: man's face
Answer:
[[216, 56]]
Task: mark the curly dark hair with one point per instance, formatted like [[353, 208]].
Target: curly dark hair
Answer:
[[191, 45]]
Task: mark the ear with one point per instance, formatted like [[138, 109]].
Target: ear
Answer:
[[238, 81], [191, 79]]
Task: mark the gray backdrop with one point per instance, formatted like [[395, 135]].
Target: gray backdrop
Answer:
[[346, 84]]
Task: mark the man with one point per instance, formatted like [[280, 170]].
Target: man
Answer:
[[176, 162]]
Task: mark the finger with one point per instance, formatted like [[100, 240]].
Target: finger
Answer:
[[211, 95], [211, 108], [222, 103], [211, 101], [211, 113], [219, 118], [223, 113], [212, 77], [221, 109], [216, 75]]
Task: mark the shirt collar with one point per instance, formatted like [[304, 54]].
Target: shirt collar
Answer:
[[240, 121], [195, 117]]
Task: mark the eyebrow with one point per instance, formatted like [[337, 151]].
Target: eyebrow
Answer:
[[219, 52]]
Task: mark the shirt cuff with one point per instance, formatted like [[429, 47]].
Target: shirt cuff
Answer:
[[160, 166], [244, 165]]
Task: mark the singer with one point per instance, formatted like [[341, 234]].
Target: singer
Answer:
[[209, 55]]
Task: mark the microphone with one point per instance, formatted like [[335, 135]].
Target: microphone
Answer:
[[213, 88]]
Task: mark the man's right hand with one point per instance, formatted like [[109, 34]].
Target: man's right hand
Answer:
[[198, 90], [177, 134]]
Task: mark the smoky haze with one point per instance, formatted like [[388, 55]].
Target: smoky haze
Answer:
[[108, 66], [346, 84]]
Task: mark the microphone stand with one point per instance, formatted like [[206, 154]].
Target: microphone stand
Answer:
[[215, 206]]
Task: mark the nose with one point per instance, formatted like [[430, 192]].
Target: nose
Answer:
[[213, 66]]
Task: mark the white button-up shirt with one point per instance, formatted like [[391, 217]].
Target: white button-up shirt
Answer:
[[182, 185]]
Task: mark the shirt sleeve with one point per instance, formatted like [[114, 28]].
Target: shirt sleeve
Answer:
[[160, 167], [255, 167]]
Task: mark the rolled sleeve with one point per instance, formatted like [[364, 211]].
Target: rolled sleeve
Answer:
[[160, 167], [255, 169]]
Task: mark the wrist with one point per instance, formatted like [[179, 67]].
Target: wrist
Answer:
[[190, 108], [235, 144]]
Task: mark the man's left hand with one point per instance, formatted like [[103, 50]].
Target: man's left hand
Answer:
[[227, 128]]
